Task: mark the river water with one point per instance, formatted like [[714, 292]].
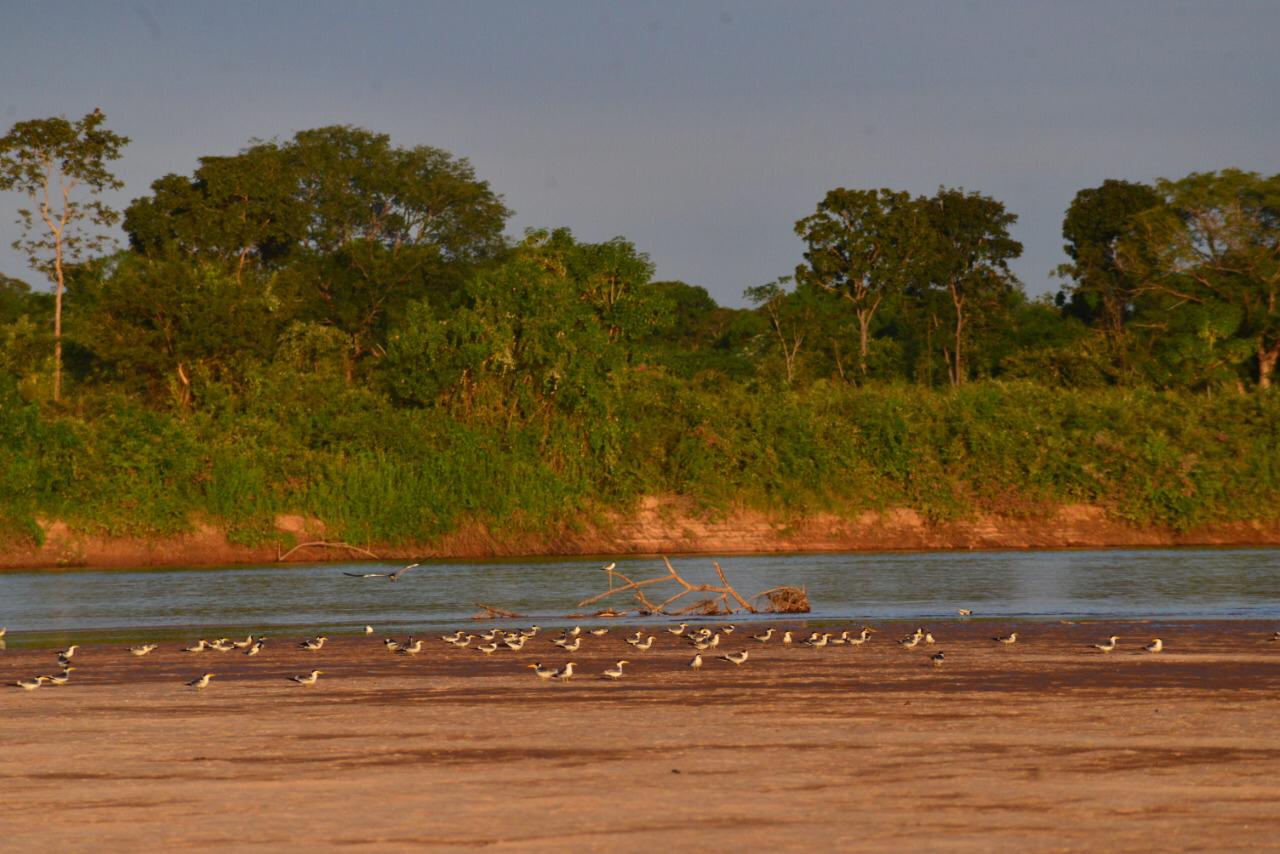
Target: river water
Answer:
[[124, 604]]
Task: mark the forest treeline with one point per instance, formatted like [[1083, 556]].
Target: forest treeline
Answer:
[[338, 326]]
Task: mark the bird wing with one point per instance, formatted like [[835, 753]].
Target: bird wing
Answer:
[[399, 572], [366, 574]]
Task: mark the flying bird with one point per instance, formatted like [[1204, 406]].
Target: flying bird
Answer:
[[390, 576]]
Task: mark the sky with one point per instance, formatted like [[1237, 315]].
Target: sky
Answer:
[[700, 131]]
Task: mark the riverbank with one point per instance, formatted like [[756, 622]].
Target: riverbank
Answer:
[[1045, 745], [658, 526]]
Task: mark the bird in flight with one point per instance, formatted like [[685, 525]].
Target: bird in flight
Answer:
[[390, 576]]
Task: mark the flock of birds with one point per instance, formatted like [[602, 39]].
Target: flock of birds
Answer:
[[701, 640]]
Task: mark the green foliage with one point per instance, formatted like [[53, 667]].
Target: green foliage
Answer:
[[336, 327]]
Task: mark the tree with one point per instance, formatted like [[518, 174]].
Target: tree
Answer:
[[1102, 294], [863, 245], [968, 260], [355, 227], [169, 323], [786, 319], [1214, 244], [47, 160]]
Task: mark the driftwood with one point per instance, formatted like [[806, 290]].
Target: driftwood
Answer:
[[327, 545], [785, 600], [718, 604], [488, 612]]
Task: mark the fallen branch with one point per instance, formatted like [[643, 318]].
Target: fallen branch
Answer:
[[488, 612], [786, 599], [327, 545], [724, 592]]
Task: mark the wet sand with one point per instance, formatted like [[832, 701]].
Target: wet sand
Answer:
[[1042, 746]]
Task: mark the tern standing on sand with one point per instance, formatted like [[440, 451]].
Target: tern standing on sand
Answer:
[[309, 679]]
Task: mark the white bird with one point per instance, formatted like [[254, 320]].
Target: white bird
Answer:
[[487, 649], [564, 673], [368, 630], [862, 637], [389, 576], [910, 641], [679, 630], [644, 647], [514, 645], [634, 639], [599, 633], [244, 644], [489, 635], [199, 647], [201, 682], [1155, 646], [820, 641], [1108, 646], [764, 638], [542, 672], [314, 643], [615, 672], [573, 632], [309, 679], [531, 631], [695, 662], [609, 567], [786, 637], [572, 647], [735, 657], [256, 648], [453, 638], [928, 637], [465, 642], [728, 630], [937, 658], [143, 649], [69, 651], [31, 684], [965, 612], [1010, 638], [64, 661]]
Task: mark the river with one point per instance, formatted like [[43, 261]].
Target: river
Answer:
[[54, 605]]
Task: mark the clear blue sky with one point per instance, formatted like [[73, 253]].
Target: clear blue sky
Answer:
[[699, 130]]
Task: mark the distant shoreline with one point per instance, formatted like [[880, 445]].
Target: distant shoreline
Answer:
[[658, 526]]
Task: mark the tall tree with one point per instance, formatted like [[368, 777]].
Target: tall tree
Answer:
[[1215, 244], [863, 245], [789, 317], [355, 226], [49, 161], [1101, 293], [968, 260]]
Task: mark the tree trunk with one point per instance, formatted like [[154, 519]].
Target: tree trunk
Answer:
[[1267, 359], [57, 322], [957, 372], [864, 332]]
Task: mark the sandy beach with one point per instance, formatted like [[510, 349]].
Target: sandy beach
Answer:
[[1046, 745]]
